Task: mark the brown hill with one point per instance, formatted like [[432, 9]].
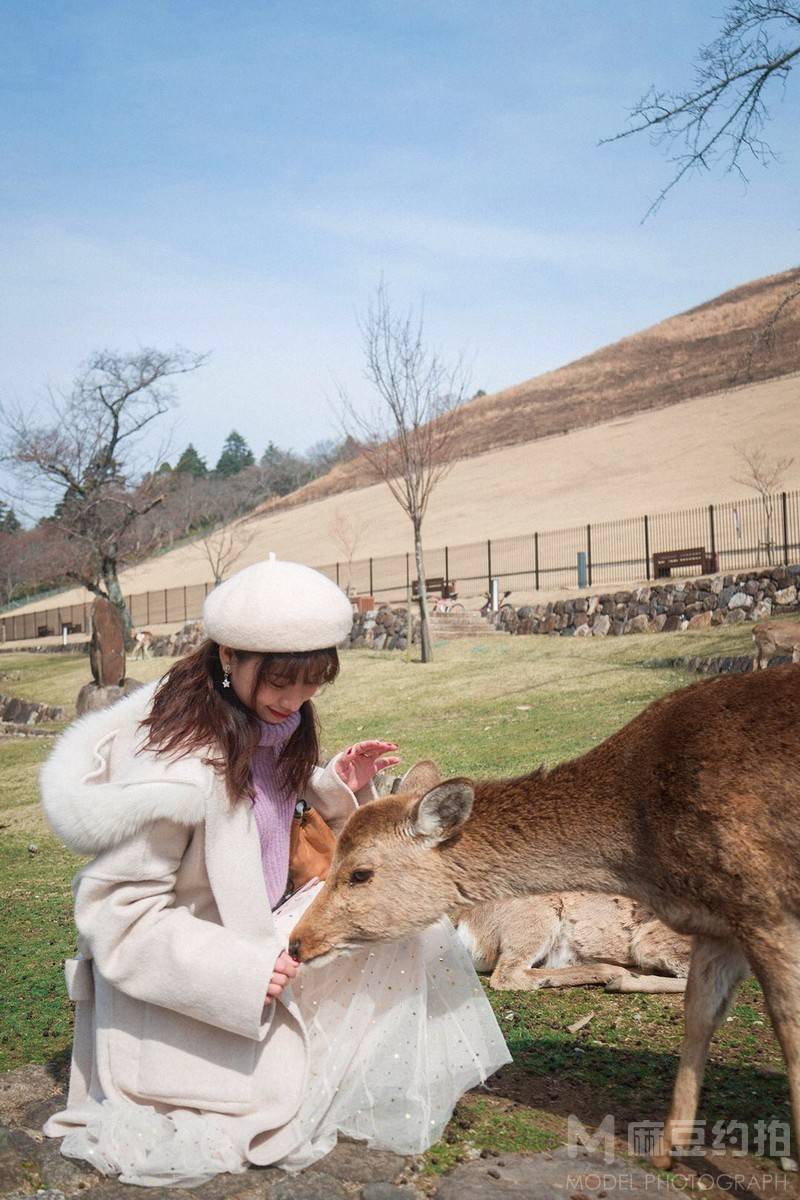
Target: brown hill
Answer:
[[726, 341]]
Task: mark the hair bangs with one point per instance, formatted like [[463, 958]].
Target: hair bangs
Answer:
[[311, 667]]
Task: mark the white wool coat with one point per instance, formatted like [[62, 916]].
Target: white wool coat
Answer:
[[175, 935]]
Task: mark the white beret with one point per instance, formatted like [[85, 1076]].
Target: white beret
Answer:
[[277, 606]]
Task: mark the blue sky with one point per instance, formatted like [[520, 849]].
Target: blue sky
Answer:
[[237, 177]]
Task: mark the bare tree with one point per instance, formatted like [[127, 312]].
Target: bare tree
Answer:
[[765, 475], [347, 531], [86, 458], [407, 436], [720, 118], [221, 548]]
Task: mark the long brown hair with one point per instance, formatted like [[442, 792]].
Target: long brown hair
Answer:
[[192, 713]]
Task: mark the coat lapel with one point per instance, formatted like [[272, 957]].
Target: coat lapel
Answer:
[[233, 862]]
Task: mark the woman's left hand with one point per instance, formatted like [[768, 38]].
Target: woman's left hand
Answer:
[[359, 763]]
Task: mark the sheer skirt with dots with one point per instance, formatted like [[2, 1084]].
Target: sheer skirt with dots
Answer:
[[398, 1033]]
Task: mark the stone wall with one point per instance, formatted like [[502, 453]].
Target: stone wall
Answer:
[[383, 629], [663, 607], [28, 712]]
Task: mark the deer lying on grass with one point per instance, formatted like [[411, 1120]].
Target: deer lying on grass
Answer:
[[771, 637], [573, 939], [564, 939], [691, 809]]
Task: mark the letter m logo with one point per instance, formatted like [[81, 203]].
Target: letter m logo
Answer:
[[602, 1138]]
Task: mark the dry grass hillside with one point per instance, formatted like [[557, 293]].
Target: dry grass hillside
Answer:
[[650, 423], [713, 347], [674, 457]]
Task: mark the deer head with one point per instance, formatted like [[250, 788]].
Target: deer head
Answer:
[[388, 877]]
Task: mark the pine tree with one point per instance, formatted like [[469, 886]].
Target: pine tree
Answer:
[[8, 519], [235, 456], [190, 463]]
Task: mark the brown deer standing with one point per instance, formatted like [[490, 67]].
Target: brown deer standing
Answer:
[[692, 809]]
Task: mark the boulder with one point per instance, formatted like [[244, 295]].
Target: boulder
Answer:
[[740, 600], [601, 626], [700, 620], [561, 1174], [786, 596], [640, 624], [674, 623], [93, 696], [735, 616]]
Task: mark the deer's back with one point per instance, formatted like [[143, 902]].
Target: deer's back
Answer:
[[712, 776]]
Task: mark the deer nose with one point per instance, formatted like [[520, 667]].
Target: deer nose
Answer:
[[294, 948]]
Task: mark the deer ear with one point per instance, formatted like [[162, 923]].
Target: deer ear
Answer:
[[420, 777], [441, 812]]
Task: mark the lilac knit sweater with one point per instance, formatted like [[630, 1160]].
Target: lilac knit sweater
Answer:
[[273, 805]]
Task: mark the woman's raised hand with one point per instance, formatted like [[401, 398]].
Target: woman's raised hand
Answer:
[[284, 972], [357, 765]]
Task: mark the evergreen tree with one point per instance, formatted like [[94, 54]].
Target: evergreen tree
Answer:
[[8, 519], [235, 456], [190, 463], [284, 470]]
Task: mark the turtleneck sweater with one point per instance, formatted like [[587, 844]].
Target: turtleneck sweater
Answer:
[[273, 804]]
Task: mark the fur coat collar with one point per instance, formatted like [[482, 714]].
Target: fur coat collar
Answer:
[[89, 810]]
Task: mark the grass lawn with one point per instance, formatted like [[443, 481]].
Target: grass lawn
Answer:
[[499, 706]]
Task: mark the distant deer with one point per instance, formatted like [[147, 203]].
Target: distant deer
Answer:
[[143, 640], [771, 637], [564, 939], [691, 809]]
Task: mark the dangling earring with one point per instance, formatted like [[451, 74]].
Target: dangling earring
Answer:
[[226, 677]]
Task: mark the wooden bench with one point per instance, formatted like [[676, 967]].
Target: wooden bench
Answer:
[[435, 583], [694, 556], [362, 604]]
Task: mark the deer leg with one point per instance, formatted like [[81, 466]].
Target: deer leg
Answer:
[[776, 965], [646, 983], [516, 975], [715, 970]]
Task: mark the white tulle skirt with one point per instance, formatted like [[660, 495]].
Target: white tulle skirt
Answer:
[[397, 1033]]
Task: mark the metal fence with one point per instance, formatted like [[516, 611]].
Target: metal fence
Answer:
[[737, 535]]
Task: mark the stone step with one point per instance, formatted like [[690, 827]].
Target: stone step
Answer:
[[488, 631], [456, 619]]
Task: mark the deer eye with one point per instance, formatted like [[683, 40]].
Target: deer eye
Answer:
[[362, 876]]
